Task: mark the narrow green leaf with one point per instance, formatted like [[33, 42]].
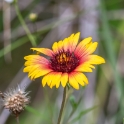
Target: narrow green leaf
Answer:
[[82, 113], [108, 42], [33, 111], [72, 101]]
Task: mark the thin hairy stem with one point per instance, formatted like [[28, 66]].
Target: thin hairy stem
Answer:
[[17, 119], [62, 107]]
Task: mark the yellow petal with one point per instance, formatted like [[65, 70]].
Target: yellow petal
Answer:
[[75, 40], [34, 73], [70, 42], [28, 63], [30, 68], [49, 79], [35, 59], [72, 35], [91, 66], [60, 45], [27, 69], [46, 79], [85, 67], [56, 79], [45, 51], [65, 44], [33, 68], [64, 79], [91, 48], [43, 72], [95, 59], [73, 82], [30, 57], [82, 44], [81, 78], [55, 47], [58, 84], [38, 72]]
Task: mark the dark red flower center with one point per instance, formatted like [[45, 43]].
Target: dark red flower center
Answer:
[[64, 62]]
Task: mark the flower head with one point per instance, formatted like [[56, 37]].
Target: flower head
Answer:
[[15, 100], [67, 62]]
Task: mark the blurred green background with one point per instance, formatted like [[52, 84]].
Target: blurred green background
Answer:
[[102, 101]]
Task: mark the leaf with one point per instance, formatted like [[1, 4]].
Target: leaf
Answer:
[[82, 113], [33, 111], [73, 102]]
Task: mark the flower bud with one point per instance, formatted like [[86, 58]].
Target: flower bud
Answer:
[[33, 17]]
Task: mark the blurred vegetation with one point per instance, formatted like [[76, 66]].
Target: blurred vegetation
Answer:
[[108, 98]]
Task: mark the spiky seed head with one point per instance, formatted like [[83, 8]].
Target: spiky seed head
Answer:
[[1, 94], [15, 100]]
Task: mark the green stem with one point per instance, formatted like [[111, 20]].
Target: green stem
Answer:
[[73, 111], [31, 38], [62, 107], [17, 119]]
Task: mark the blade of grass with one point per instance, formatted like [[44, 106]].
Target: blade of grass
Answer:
[[82, 113], [33, 111], [24, 39], [31, 38], [14, 45], [108, 39], [74, 109], [44, 29]]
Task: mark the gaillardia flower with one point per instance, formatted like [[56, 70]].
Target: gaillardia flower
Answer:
[[66, 63]]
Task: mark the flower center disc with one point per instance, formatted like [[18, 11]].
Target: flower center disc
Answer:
[[64, 62]]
